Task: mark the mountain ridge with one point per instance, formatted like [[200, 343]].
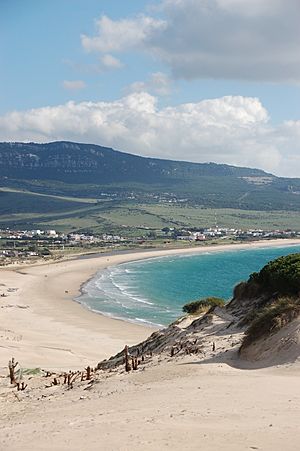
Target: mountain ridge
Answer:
[[89, 170], [64, 156]]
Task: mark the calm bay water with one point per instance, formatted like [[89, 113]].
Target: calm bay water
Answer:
[[153, 291]]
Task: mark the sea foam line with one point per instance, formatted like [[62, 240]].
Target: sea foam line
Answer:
[[139, 321]]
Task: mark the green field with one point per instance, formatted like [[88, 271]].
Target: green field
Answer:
[[30, 210]]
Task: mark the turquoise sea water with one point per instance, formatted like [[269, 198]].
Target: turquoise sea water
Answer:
[[154, 290]]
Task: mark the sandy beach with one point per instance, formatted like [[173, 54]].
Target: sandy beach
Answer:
[[41, 325], [180, 403]]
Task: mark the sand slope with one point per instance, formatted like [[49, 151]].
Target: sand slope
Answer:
[[179, 403]]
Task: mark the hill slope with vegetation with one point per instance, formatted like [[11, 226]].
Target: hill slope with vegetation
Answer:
[[87, 170]]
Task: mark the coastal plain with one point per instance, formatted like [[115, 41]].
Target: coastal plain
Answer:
[[178, 403]]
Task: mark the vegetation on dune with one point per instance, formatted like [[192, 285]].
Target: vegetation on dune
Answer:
[[279, 277], [274, 295], [202, 305], [282, 275], [271, 319], [248, 290]]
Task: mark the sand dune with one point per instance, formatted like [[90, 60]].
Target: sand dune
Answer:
[[177, 403]]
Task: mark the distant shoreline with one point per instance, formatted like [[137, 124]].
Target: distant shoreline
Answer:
[[281, 242], [165, 253], [42, 325]]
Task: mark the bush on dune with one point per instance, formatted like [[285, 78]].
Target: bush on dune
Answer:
[[248, 290], [274, 293], [281, 275], [272, 318], [202, 305]]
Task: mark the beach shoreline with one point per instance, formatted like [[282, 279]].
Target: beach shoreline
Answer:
[[42, 326], [147, 255], [188, 401]]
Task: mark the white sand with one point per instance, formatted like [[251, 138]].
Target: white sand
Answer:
[[42, 327], [179, 404]]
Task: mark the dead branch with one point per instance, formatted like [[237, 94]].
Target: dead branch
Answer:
[[127, 364], [21, 386], [11, 368]]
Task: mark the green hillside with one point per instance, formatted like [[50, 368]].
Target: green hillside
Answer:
[[82, 186]]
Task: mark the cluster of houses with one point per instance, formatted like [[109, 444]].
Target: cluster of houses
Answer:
[[36, 243], [238, 234], [10, 253], [28, 244], [54, 237], [27, 234]]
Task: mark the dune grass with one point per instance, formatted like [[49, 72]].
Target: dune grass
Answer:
[[202, 305], [272, 318]]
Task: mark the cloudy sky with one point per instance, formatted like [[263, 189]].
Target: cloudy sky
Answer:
[[198, 80]]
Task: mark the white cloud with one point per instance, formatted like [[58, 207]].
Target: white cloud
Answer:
[[252, 8], [232, 129], [120, 35], [222, 39], [158, 84], [110, 62], [237, 39], [74, 85]]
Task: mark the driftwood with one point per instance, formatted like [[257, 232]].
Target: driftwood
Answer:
[[11, 368], [88, 373], [56, 381], [12, 375], [134, 363], [21, 386], [71, 378], [48, 374], [127, 364]]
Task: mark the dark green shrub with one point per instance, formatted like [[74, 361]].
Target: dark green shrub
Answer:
[[246, 290], [239, 290], [202, 305], [281, 275]]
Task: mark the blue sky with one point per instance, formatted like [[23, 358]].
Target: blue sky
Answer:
[[40, 47], [132, 68]]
